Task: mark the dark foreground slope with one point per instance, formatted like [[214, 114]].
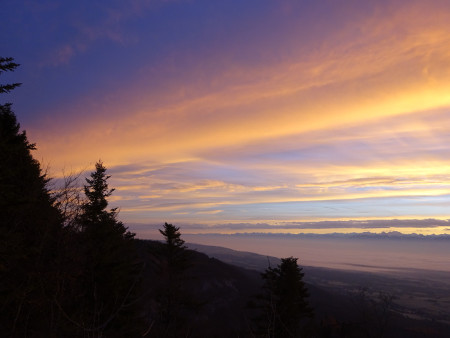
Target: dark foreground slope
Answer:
[[215, 294], [344, 305], [393, 303]]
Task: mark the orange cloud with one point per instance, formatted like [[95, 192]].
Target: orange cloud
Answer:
[[360, 112]]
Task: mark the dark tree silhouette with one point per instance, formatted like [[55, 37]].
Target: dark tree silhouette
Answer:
[[68, 199], [58, 280], [8, 64], [108, 272], [174, 247], [29, 228], [283, 305], [173, 298]]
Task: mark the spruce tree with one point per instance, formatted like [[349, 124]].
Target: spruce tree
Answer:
[[174, 299], [109, 272], [283, 306], [174, 247], [29, 230], [8, 65]]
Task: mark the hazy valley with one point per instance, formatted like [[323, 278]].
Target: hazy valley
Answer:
[[417, 301]]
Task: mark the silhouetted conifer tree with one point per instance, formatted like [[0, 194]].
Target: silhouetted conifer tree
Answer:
[[175, 249], [108, 272], [174, 300], [283, 305], [29, 232], [8, 64]]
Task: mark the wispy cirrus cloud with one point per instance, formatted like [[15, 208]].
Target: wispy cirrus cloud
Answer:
[[229, 112], [89, 23]]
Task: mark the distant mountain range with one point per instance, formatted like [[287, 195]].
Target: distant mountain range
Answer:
[[362, 235]]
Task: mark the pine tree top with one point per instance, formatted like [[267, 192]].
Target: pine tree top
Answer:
[[172, 236], [8, 65]]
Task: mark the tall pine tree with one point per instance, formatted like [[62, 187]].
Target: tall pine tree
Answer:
[[29, 230], [175, 250], [283, 306], [174, 299], [109, 271]]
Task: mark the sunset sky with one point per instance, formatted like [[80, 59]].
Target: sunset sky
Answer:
[[241, 116]]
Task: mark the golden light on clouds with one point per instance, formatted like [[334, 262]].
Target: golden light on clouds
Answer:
[[342, 114]]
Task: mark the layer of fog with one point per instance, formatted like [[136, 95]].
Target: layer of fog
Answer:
[[367, 254]]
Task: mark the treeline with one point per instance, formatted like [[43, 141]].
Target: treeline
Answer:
[[57, 279], [70, 268]]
